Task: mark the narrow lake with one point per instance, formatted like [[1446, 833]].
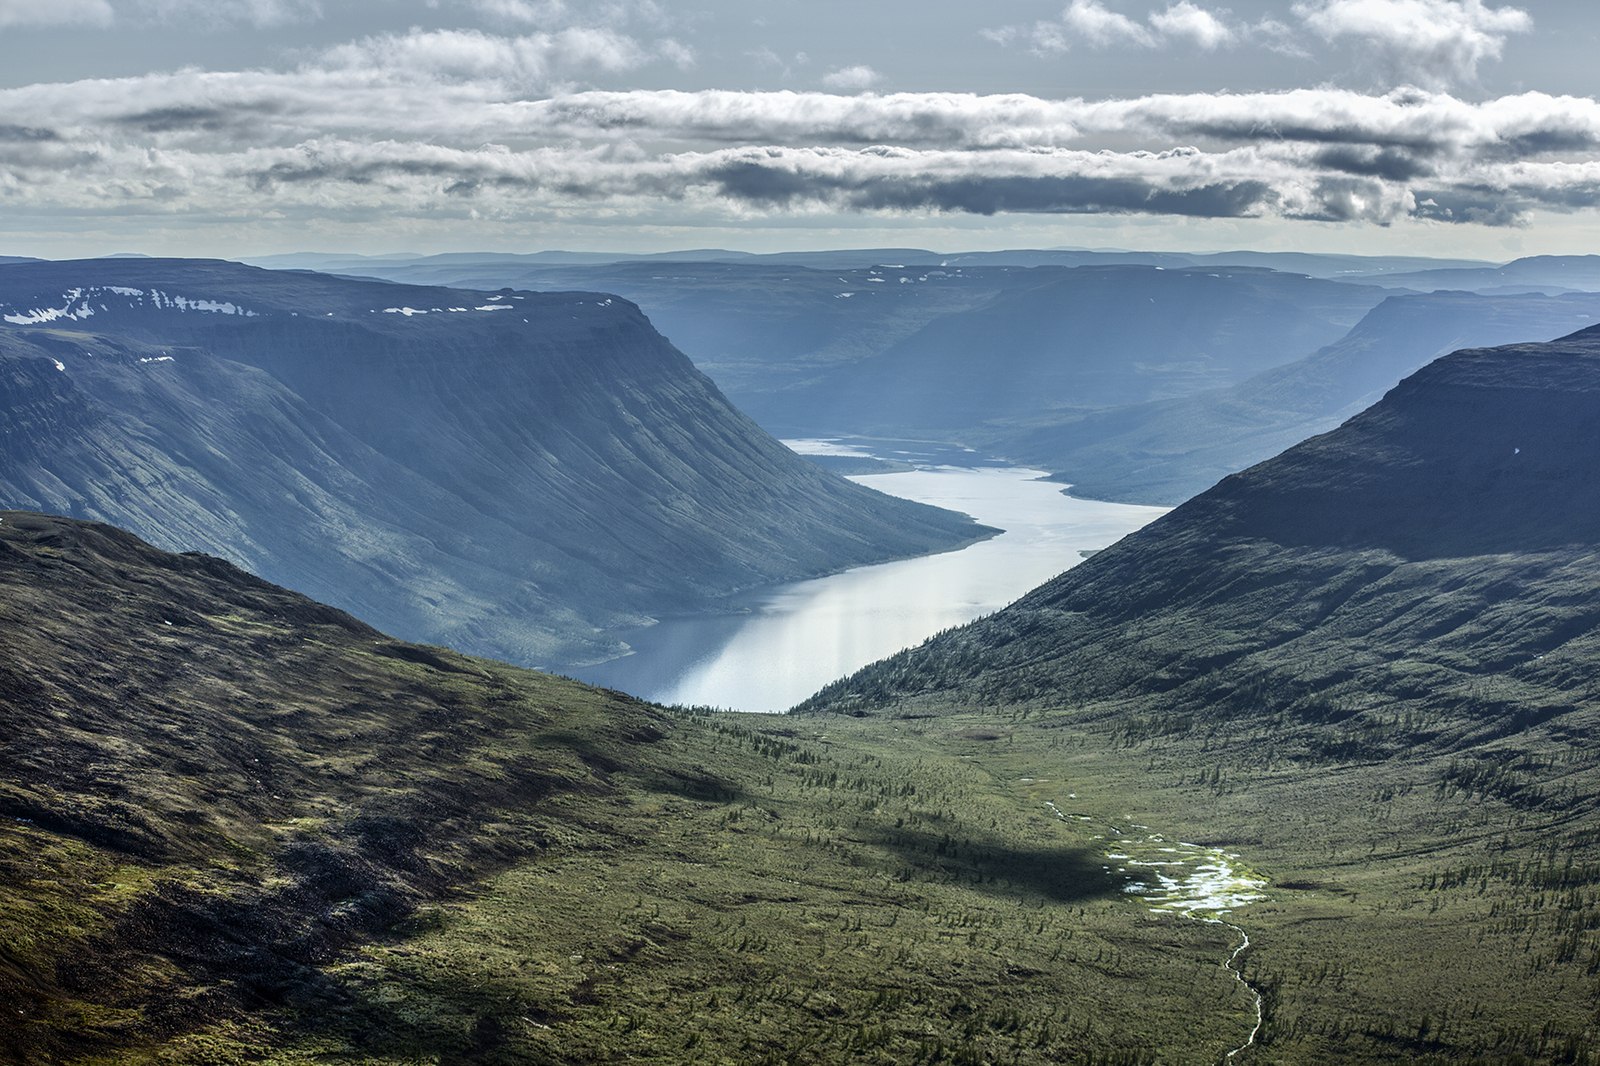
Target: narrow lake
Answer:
[[779, 646]]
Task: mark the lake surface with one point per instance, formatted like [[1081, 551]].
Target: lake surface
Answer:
[[777, 647]]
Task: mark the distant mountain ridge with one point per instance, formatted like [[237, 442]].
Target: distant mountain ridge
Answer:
[[950, 350], [510, 472], [1318, 265], [1169, 450], [1537, 273]]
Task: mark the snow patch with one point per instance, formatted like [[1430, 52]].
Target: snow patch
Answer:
[[75, 305]]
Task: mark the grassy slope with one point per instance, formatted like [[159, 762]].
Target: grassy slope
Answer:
[[236, 825], [1379, 686]]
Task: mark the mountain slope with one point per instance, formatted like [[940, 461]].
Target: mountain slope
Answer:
[[240, 826], [212, 785], [1485, 456], [1169, 450], [1372, 665], [511, 473]]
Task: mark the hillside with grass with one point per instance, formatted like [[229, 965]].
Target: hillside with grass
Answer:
[[1368, 664], [240, 826]]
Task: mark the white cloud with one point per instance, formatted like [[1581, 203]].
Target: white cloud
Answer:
[[1429, 42], [1092, 23], [1183, 20], [1432, 42], [472, 55], [420, 124], [852, 79], [55, 13]]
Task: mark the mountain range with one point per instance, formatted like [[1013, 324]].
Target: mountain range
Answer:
[[1137, 377], [1357, 679], [925, 347], [514, 473], [1344, 699]]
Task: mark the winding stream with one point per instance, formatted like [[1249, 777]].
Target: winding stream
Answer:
[[1191, 881]]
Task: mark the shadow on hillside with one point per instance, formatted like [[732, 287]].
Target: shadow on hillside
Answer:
[[1061, 875]]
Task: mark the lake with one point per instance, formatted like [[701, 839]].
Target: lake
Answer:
[[776, 647]]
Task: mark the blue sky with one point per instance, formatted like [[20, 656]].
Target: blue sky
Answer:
[[1450, 127]]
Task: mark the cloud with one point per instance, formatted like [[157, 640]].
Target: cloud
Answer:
[[475, 56], [1185, 21], [56, 13], [1429, 42], [1433, 42], [412, 125], [1089, 22], [527, 12], [1092, 23], [852, 79]]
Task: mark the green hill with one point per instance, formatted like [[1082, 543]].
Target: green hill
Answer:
[[1369, 664], [239, 826]]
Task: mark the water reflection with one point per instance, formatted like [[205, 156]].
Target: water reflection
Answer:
[[790, 641]]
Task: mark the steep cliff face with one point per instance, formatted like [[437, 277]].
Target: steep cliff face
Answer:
[[511, 473]]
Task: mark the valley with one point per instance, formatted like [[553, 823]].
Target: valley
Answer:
[[698, 533], [1298, 771], [785, 643]]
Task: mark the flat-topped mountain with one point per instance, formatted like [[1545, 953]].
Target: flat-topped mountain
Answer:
[[974, 346], [507, 472], [1534, 273]]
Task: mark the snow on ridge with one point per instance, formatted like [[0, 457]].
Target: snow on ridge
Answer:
[[75, 305], [409, 311]]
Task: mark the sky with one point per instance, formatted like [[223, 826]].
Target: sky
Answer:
[[247, 127]]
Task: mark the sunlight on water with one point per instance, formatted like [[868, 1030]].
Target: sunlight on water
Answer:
[[796, 638]]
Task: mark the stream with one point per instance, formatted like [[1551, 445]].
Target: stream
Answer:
[[1190, 881]]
